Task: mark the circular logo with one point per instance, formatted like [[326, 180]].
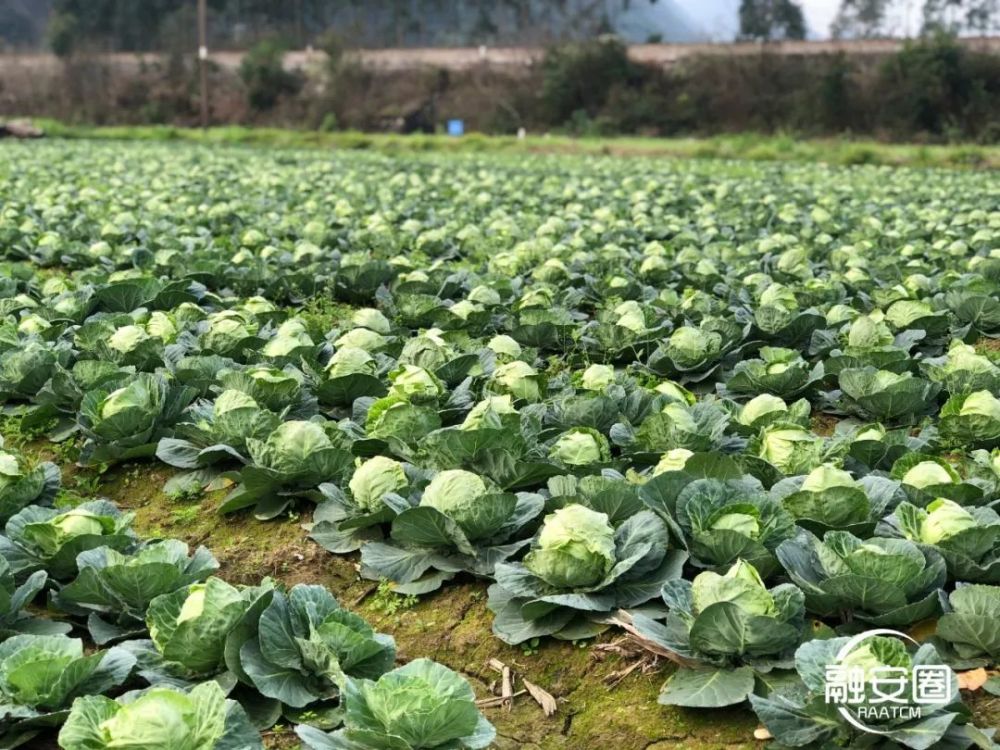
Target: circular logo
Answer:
[[884, 692]]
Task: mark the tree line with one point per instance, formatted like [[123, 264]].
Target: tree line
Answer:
[[126, 25]]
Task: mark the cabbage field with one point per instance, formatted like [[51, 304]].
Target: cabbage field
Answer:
[[373, 452]]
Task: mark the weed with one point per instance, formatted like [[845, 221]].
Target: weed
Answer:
[[390, 603]]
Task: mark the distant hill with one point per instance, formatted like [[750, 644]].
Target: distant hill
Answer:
[[465, 22], [234, 24], [22, 22], [679, 21]]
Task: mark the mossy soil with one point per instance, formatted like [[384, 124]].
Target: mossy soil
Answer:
[[598, 707], [606, 689]]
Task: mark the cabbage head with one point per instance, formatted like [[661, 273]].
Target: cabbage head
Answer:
[[162, 718], [882, 581], [741, 585], [597, 377], [580, 446], [789, 448], [189, 626], [672, 460], [43, 673], [422, 705], [517, 379], [971, 420], [456, 494], [350, 361], [374, 479], [479, 416], [575, 548], [690, 347], [415, 383]]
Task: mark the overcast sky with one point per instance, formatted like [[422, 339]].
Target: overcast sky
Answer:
[[902, 17], [819, 14]]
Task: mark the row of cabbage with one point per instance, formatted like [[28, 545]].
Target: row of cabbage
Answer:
[[608, 404], [120, 641]]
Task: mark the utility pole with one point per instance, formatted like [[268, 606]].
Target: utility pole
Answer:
[[203, 61]]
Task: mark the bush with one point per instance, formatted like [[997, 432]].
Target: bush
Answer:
[[61, 33], [264, 75], [934, 87], [939, 87], [578, 77], [328, 124], [834, 94]]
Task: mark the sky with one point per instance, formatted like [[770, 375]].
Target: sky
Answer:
[[718, 19], [819, 14], [903, 17]]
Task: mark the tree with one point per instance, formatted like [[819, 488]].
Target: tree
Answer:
[[131, 25], [61, 33], [22, 22], [264, 75], [860, 19], [764, 20], [957, 16]]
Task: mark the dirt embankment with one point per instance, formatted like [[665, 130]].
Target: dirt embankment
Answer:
[[466, 58]]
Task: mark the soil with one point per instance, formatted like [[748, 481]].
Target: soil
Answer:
[[606, 690]]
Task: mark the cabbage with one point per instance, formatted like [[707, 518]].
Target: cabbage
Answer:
[[291, 335], [194, 605], [189, 626], [779, 295], [484, 295], [421, 705], [505, 345], [232, 400], [163, 718], [790, 450], [161, 326], [630, 316], [742, 523], [127, 338], [464, 308], [825, 477], [350, 361], [945, 519], [428, 350], [672, 460], [290, 448], [875, 432], [741, 585], [499, 405], [903, 313], [868, 333], [372, 319], [414, 382], [374, 479], [258, 306], [675, 392], [575, 548], [688, 347], [597, 377], [456, 493], [361, 338], [760, 406], [579, 447], [927, 474], [517, 378], [981, 403], [226, 330]]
